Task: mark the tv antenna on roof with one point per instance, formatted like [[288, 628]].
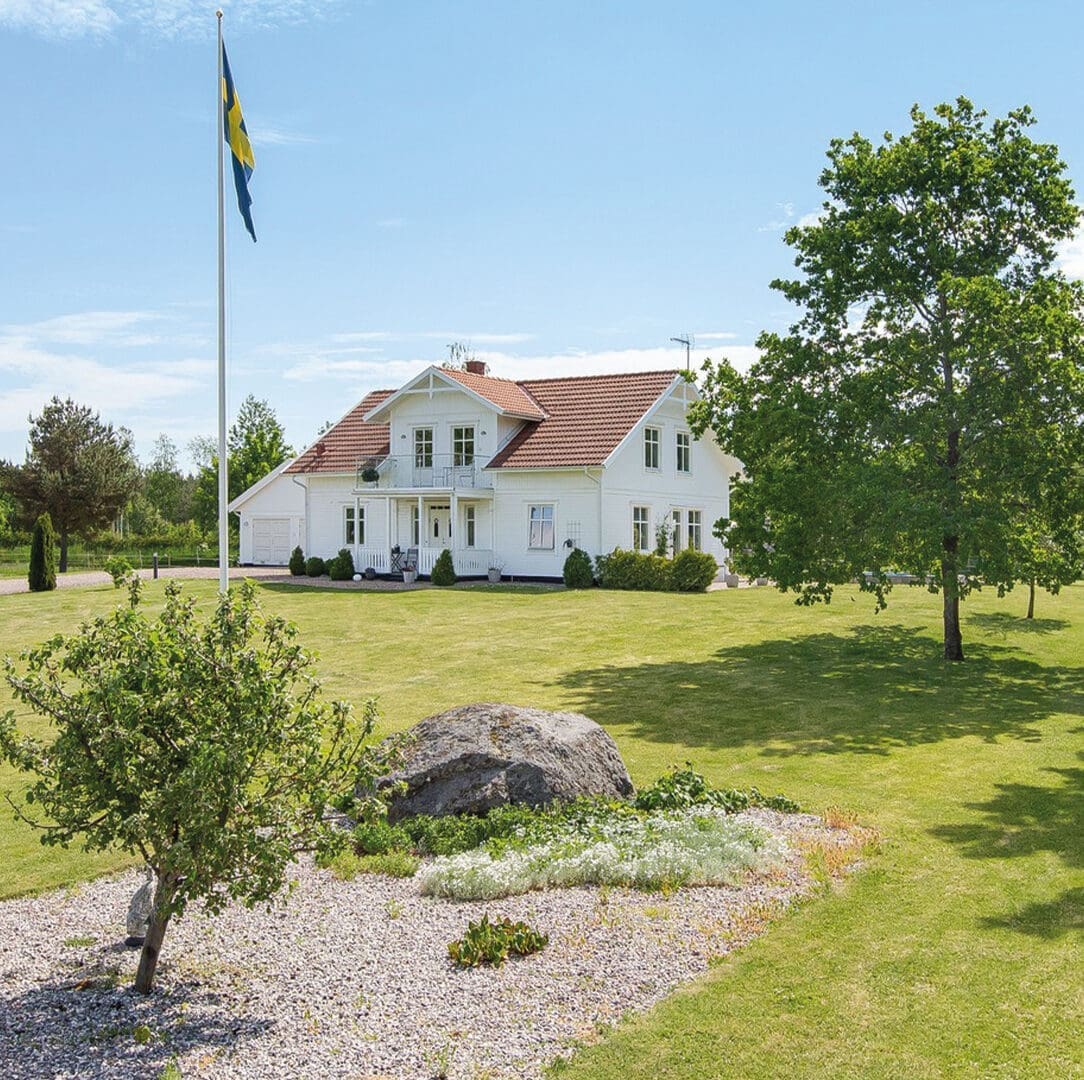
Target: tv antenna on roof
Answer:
[[688, 341]]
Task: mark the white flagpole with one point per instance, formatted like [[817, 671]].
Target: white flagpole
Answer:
[[223, 482]]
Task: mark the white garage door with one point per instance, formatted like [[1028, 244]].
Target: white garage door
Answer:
[[271, 541]]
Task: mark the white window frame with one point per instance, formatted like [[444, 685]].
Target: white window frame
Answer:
[[675, 530], [415, 526], [653, 448], [683, 452], [641, 529], [536, 539], [462, 437], [697, 526], [350, 522], [421, 436], [470, 527]]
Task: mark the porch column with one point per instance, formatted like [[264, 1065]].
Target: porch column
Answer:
[[422, 527], [455, 521], [387, 527]]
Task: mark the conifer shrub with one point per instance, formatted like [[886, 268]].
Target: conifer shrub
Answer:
[[315, 566], [42, 572], [577, 570], [297, 562], [341, 568], [443, 569], [692, 571]]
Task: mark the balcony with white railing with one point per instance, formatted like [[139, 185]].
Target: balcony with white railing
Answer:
[[429, 471]]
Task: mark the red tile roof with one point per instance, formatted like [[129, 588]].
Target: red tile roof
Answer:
[[340, 448], [580, 421], [586, 417]]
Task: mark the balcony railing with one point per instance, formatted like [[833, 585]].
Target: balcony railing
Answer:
[[421, 471]]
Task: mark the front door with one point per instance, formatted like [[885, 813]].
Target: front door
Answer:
[[440, 527]]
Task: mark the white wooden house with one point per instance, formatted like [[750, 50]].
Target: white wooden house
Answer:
[[505, 474]]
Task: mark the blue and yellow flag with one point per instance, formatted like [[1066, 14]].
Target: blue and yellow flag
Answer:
[[236, 135]]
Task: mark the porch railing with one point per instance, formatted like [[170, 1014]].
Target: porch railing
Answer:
[[421, 471], [468, 562]]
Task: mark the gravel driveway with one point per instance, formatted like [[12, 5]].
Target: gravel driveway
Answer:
[[351, 978]]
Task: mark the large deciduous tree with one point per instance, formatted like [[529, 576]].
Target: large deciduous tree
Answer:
[[204, 747], [256, 445], [78, 470], [925, 412]]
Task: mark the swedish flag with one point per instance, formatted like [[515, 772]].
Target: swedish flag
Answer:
[[236, 136]]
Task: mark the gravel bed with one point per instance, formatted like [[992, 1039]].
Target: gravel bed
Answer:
[[351, 978]]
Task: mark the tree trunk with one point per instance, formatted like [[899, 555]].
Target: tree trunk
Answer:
[[63, 551], [950, 589], [156, 932], [1031, 601]]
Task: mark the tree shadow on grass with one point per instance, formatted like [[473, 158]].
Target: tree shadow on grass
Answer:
[[866, 691], [1028, 819], [72, 1027], [1002, 623]]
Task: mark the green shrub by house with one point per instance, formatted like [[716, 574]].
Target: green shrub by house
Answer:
[[42, 572], [692, 571], [443, 569], [633, 570], [297, 562], [315, 566], [341, 568], [577, 571]]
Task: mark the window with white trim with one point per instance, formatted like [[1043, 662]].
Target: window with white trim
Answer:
[[541, 527], [353, 525], [675, 530], [463, 446], [684, 453], [469, 525], [641, 528], [423, 448], [696, 540], [415, 526], [652, 441]]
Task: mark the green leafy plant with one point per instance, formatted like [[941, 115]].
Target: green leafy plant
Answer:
[[203, 747], [119, 569], [577, 570], [315, 566], [297, 562], [341, 568], [683, 788], [42, 572], [488, 942], [692, 571], [443, 569]]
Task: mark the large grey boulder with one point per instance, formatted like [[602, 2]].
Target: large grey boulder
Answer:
[[473, 758]]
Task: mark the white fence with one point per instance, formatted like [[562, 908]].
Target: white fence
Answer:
[[468, 562]]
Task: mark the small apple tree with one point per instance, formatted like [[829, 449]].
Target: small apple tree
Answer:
[[203, 746]]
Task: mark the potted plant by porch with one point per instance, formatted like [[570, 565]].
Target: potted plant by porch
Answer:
[[369, 475], [495, 570], [410, 573], [730, 579]]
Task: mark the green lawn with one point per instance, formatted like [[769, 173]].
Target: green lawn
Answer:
[[958, 953]]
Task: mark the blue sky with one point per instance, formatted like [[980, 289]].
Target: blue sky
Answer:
[[563, 185]]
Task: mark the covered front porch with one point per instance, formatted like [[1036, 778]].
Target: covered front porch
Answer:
[[419, 525]]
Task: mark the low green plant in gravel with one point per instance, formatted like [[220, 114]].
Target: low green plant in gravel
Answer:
[[488, 942], [681, 788], [348, 864], [662, 850]]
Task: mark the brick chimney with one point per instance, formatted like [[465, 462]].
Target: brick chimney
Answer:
[[476, 367]]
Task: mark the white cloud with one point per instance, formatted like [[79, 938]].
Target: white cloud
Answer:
[[113, 328], [262, 135], [715, 335], [611, 361], [1070, 256], [162, 18]]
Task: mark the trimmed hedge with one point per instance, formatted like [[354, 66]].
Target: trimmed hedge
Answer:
[[577, 570], [688, 571], [443, 570], [315, 567], [297, 562], [341, 568]]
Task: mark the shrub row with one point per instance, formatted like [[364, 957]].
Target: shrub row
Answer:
[[688, 571]]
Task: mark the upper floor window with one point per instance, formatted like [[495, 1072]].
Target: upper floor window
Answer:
[[641, 529], [463, 446], [423, 448], [541, 532], [652, 439], [684, 463]]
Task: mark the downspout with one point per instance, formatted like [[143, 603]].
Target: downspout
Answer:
[[304, 484], [598, 481]]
